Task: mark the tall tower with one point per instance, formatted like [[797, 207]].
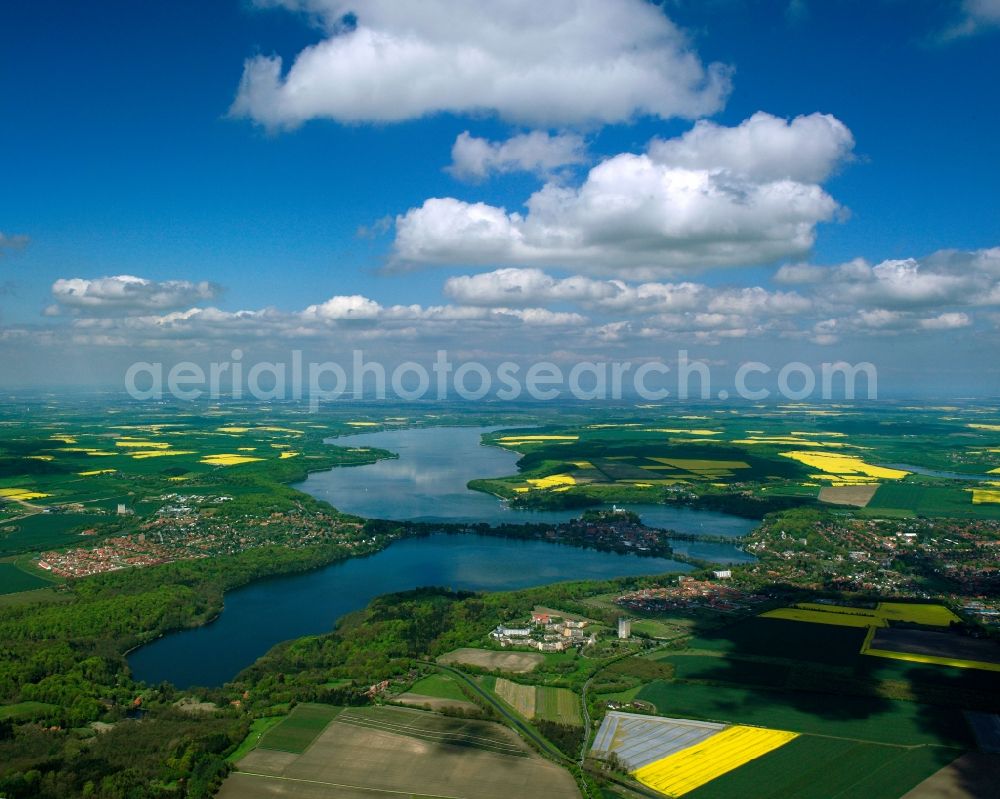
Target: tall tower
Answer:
[[624, 628]]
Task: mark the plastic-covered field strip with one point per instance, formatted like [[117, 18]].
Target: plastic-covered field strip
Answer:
[[640, 740], [691, 768]]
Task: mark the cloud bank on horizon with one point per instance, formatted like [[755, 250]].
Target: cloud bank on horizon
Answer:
[[609, 251]]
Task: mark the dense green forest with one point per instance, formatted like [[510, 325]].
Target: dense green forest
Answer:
[[62, 667]]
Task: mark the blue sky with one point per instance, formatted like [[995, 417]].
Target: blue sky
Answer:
[[122, 158]]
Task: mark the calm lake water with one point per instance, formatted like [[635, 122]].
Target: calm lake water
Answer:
[[426, 483], [938, 473], [269, 611]]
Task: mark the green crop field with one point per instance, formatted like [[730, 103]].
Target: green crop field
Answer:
[[812, 767], [557, 704], [928, 500], [775, 652], [862, 718], [257, 729], [299, 728], [438, 685], [780, 638], [45, 531], [13, 580], [721, 669]]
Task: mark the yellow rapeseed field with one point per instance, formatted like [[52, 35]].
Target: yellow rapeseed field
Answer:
[[288, 454], [991, 427], [97, 471], [843, 466], [682, 772], [133, 443], [232, 429], [21, 494], [698, 432], [228, 459], [983, 495], [552, 481], [160, 453], [362, 424]]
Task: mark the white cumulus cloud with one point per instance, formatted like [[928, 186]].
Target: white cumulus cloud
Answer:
[[632, 215], [763, 148], [127, 293], [550, 64], [474, 158], [946, 321]]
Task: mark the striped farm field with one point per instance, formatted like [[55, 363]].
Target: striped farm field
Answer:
[[299, 728], [557, 704], [542, 702], [682, 772], [520, 697]]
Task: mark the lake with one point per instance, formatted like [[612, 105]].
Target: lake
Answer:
[[938, 473], [266, 612], [426, 483]]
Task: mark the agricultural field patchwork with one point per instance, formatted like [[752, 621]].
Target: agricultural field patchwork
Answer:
[[884, 640], [299, 729], [682, 772], [388, 752], [674, 756], [639, 740], [547, 703], [853, 460], [841, 469], [520, 697]]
